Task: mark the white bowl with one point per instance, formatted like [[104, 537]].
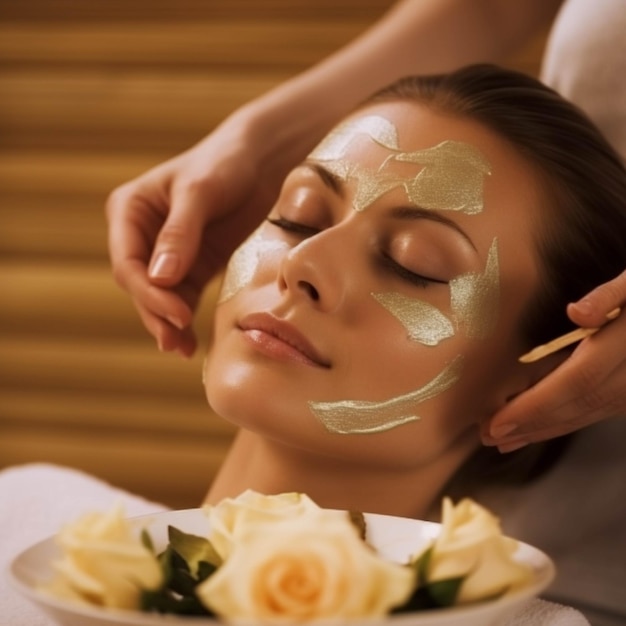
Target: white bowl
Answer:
[[395, 538]]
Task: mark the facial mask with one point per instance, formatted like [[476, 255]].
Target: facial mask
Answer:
[[244, 261], [424, 323], [350, 417], [475, 296], [450, 177]]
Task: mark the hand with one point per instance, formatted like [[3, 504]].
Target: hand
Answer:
[[587, 387], [174, 227]]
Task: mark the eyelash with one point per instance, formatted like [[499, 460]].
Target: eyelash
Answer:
[[406, 274], [293, 227], [387, 261]]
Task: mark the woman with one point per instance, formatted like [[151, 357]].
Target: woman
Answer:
[[377, 316]]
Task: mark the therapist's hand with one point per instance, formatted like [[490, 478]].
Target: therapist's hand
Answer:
[[587, 387], [174, 227]]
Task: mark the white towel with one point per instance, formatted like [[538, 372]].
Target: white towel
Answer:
[[542, 613], [35, 501]]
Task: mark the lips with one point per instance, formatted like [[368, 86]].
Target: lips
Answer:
[[280, 339]]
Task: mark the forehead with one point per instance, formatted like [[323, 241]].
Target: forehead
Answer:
[[374, 133], [462, 160], [397, 126], [445, 176]]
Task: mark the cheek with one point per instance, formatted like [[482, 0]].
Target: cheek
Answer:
[[243, 267], [423, 322], [390, 365]]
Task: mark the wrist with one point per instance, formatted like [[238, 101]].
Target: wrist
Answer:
[[283, 125]]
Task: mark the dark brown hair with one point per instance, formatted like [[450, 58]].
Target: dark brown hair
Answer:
[[583, 241]]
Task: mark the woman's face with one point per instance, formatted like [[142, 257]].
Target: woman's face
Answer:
[[374, 315]]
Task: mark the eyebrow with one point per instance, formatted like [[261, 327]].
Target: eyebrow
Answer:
[[330, 180], [405, 212]]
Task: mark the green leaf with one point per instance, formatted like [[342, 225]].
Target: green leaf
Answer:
[[205, 570], [193, 549], [163, 601], [445, 592], [421, 564], [429, 595], [165, 560], [420, 600], [146, 540], [178, 593], [182, 582]]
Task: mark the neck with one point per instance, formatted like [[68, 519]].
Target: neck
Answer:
[[254, 462]]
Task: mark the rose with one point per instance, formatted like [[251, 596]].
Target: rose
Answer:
[[104, 563], [308, 567], [232, 516], [471, 546]]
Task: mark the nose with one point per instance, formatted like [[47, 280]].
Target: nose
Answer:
[[312, 270]]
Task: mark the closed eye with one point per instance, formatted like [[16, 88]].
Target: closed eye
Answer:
[[293, 227], [409, 276]]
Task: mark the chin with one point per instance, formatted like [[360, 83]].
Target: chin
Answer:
[[226, 394], [237, 393]]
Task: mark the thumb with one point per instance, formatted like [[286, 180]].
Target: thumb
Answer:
[[592, 309], [177, 245]]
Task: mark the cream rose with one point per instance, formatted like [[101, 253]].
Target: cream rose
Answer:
[[304, 568], [232, 516], [471, 545], [104, 562]]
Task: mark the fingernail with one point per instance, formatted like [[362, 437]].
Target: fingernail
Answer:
[[175, 321], [584, 306], [164, 266], [511, 447], [499, 431]]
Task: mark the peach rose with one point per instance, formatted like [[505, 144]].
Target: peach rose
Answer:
[[471, 545], [232, 516], [104, 563], [304, 568]]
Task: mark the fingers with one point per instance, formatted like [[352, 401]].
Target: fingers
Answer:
[[588, 387], [593, 308], [167, 314], [137, 212], [130, 233], [169, 338], [178, 243]]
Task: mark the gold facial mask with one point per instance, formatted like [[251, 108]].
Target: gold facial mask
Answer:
[[349, 417], [450, 179], [244, 261], [475, 296], [425, 323]]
